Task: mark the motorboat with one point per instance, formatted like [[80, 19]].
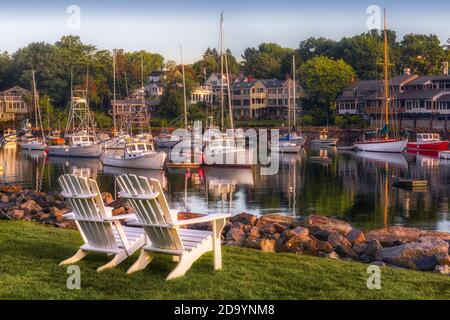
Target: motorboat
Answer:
[[324, 140], [136, 155], [428, 142], [80, 144]]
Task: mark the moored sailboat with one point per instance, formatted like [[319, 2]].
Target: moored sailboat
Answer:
[[386, 143]]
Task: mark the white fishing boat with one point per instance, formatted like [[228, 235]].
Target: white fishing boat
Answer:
[[79, 145], [80, 138], [137, 155], [323, 139], [384, 144]]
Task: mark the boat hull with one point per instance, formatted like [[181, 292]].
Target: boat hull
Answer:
[[325, 142], [86, 151], [394, 146], [154, 161], [429, 146], [38, 146]]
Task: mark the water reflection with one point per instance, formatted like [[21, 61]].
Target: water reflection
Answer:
[[355, 186]]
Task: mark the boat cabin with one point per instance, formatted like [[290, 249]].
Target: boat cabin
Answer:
[[136, 149], [79, 140], [427, 137]]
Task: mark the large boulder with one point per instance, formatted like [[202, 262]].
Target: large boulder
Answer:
[[372, 247], [245, 218], [414, 255], [396, 235], [253, 238], [30, 207], [316, 223], [16, 214], [268, 245], [275, 218], [336, 239], [236, 235], [356, 236]]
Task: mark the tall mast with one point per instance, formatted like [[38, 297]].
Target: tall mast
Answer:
[[114, 93], [386, 78], [293, 90], [230, 109], [289, 105], [221, 70], [36, 107], [184, 91], [34, 99]]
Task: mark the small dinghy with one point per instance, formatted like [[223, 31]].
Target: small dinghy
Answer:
[[409, 183]]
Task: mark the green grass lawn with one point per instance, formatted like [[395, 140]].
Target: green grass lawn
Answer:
[[30, 253]]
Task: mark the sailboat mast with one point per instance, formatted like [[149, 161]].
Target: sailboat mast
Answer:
[[184, 91], [34, 99], [289, 106], [293, 90], [230, 108], [114, 94], [221, 71], [386, 77]]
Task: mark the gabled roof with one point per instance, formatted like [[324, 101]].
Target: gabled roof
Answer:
[[244, 84], [445, 97], [419, 94], [428, 79], [15, 89]]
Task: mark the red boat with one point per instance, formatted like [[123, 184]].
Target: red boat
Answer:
[[428, 142]]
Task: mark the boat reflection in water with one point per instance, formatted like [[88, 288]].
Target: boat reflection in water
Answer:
[[149, 174], [221, 185], [88, 168], [396, 159]]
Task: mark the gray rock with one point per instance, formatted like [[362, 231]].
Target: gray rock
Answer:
[[330, 225], [355, 236], [372, 247], [414, 255]]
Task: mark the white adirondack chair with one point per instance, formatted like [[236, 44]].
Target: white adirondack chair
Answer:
[[147, 199], [100, 230]]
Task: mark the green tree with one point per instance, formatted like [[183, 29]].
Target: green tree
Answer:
[[270, 60], [422, 53], [323, 80]]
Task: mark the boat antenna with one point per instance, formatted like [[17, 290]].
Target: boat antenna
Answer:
[[184, 90]]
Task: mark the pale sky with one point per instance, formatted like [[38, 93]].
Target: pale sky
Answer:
[[164, 26]]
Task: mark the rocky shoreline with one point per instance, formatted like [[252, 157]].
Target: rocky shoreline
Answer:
[[314, 235]]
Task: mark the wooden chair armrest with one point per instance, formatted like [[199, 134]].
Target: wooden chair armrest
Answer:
[[121, 217], [206, 218], [69, 216]]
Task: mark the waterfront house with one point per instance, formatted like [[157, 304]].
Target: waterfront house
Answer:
[[201, 94], [249, 99], [12, 104], [278, 95]]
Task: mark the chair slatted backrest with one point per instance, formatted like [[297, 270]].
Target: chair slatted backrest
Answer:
[[89, 210], [147, 199]]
